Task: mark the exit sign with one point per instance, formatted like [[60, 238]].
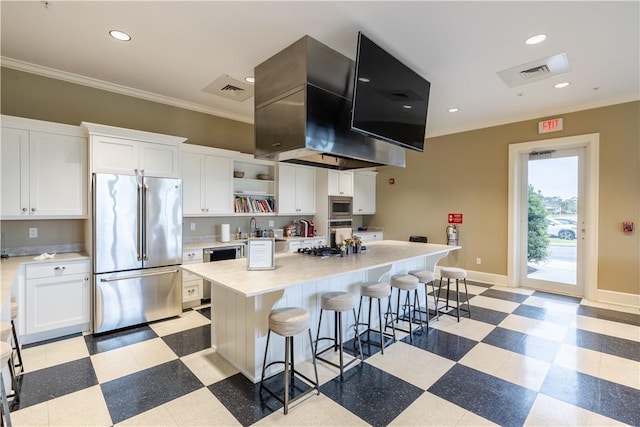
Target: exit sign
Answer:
[[551, 125]]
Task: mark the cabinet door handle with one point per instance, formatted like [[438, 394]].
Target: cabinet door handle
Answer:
[[59, 267], [33, 209], [24, 209]]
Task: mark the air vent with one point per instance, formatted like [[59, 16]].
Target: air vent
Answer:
[[537, 70], [228, 87]]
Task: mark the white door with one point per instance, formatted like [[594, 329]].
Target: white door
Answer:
[[218, 185], [14, 155], [306, 191], [192, 174], [554, 224]]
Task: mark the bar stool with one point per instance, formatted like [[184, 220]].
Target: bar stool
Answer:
[[426, 277], [5, 332], [458, 274], [376, 290], [5, 355], [16, 343], [338, 302], [287, 322], [408, 283]]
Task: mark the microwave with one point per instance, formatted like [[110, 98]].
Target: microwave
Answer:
[[340, 207]]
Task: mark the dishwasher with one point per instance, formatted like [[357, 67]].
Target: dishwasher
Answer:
[[220, 253]]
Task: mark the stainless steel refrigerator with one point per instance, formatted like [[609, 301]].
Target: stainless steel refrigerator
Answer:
[[137, 248]]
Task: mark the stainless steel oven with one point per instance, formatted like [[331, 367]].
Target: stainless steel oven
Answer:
[[340, 207], [222, 253]]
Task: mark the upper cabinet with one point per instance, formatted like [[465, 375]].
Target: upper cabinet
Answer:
[[132, 152], [44, 170], [340, 183], [364, 193], [254, 186], [206, 181], [296, 190]]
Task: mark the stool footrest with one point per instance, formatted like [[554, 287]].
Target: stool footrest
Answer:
[[336, 365], [312, 385]]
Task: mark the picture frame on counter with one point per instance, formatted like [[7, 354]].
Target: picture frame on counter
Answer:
[[261, 254]]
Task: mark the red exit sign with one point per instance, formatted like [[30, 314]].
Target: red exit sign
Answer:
[[455, 218], [551, 125]]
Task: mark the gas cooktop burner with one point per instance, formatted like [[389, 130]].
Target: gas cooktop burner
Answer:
[[323, 251]]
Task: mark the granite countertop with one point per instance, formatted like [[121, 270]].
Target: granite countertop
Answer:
[[9, 268], [293, 268]]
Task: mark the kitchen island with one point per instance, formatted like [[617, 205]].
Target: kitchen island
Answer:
[[242, 299]]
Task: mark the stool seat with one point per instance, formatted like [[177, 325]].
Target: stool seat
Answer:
[[375, 290], [453, 273], [337, 301], [5, 331], [289, 321], [404, 282], [14, 310], [424, 276]]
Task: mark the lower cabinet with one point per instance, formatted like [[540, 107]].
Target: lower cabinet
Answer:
[[192, 285], [369, 236], [57, 298]]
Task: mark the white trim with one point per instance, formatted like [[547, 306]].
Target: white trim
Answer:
[[41, 126], [617, 298], [116, 88], [136, 135], [591, 144]]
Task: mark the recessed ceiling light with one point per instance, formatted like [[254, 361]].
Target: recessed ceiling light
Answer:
[[250, 79], [408, 107], [120, 35], [561, 85], [538, 38], [453, 110], [363, 79]]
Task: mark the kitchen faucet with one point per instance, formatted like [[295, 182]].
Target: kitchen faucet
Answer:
[[253, 226]]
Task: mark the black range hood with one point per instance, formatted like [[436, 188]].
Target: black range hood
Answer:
[[303, 111]]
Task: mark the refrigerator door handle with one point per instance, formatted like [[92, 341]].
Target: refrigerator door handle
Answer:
[[139, 248], [137, 276], [145, 235]]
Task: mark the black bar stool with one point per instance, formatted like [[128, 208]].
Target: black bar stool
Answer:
[[409, 284], [376, 290]]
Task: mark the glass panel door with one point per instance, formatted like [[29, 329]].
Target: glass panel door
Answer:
[[553, 220]]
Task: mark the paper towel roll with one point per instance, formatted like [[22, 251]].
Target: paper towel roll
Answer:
[[225, 235]]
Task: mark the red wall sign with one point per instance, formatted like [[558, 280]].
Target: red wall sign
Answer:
[[455, 218], [552, 125]]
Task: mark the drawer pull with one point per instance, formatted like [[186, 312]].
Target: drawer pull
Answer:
[[60, 267]]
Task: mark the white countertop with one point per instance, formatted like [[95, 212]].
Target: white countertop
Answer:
[[294, 268]]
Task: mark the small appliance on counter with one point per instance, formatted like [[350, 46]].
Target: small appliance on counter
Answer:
[[306, 228]]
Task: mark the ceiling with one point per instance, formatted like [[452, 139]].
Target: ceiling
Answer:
[[178, 48]]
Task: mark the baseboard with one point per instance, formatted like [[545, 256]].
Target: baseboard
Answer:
[[481, 277]]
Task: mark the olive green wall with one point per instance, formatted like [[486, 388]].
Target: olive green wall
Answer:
[[36, 97], [465, 172], [468, 173]]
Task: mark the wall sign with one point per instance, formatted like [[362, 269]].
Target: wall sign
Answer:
[[551, 125], [261, 254], [455, 218]]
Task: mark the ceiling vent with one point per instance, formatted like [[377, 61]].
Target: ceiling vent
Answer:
[[537, 70], [230, 88]]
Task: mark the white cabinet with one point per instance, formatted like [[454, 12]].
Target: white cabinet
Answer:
[[44, 170], [192, 285], [132, 152], [296, 190], [57, 297], [340, 183], [206, 184], [364, 193], [254, 187], [307, 242], [369, 236]]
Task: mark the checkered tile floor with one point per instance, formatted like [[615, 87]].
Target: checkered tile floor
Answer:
[[524, 358]]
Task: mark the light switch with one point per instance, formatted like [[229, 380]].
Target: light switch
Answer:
[[33, 233]]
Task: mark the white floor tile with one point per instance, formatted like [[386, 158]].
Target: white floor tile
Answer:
[[553, 305], [468, 328], [494, 304], [538, 328], [83, 408], [547, 411], [188, 319], [209, 366], [430, 410], [608, 327], [200, 408], [522, 291]]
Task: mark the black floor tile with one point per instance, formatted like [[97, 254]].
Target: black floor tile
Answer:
[[372, 394], [518, 342], [206, 312], [604, 343], [136, 393], [558, 298], [485, 315], [615, 316], [503, 295], [594, 394], [189, 341], [450, 346], [500, 401], [243, 399], [116, 339], [49, 383], [544, 314]]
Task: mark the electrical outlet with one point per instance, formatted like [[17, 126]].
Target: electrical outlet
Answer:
[[272, 223], [33, 233], [193, 226], [478, 261]]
